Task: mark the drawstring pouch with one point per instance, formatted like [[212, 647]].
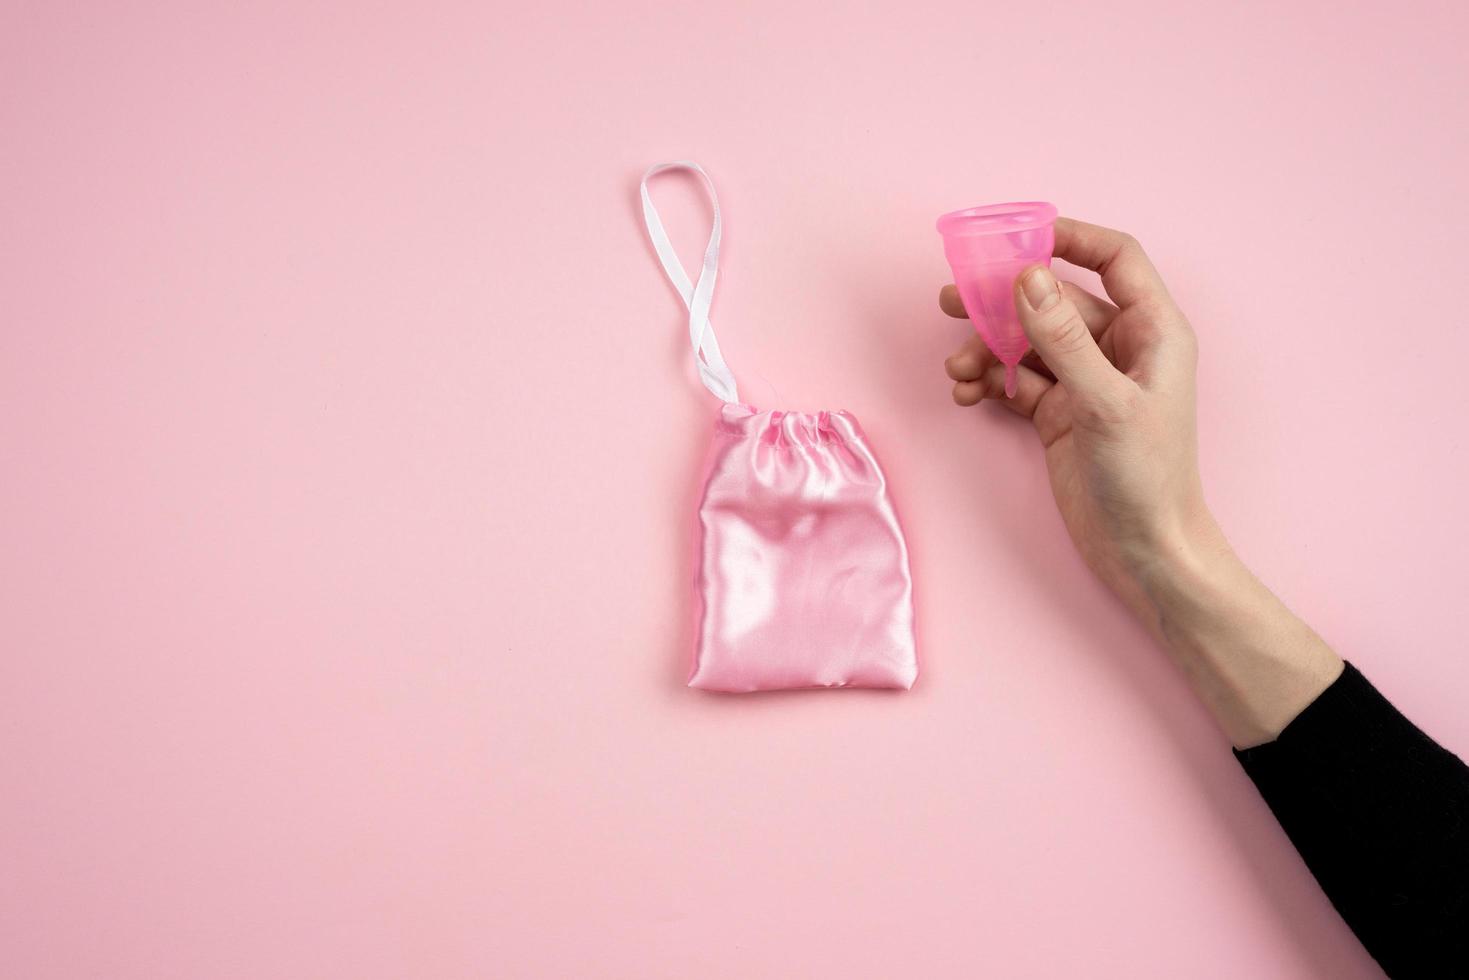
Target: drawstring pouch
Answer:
[[802, 576]]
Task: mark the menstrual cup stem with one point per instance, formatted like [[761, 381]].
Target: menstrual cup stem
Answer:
[[1010, 380]]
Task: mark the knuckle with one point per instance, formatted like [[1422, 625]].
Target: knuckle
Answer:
[[1168, 329], [1066, 332], [1128, 245], [1188, 343], [1128, 250]]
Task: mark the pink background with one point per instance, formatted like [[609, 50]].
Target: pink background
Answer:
[[349, 439]]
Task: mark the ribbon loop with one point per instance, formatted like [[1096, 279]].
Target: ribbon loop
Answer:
[[698, 297]]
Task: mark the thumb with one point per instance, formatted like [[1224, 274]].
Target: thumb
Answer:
[[1058, 333]]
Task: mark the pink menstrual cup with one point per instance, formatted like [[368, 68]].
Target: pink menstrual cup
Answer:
[[987, 247]]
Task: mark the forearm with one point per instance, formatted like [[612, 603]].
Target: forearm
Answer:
[[1378, 810], [1253, 662]]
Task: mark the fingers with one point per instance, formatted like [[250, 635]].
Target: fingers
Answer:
[[973, 359], [1097, 312], [969, 362], [1030, 388], [950, 302], [1056, 329], [1127, 272]]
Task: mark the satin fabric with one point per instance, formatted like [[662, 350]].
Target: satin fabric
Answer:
[[803, 574]]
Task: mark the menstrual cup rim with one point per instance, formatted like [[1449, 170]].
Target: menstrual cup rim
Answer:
[[987, 219]]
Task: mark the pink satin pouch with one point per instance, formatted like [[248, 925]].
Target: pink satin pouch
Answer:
[[803, 577]]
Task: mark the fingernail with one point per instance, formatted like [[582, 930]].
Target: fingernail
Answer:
[[1040, 289]]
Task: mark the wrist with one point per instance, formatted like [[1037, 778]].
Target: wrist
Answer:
[[1193, 583], [1188, 547], [1252, 661]]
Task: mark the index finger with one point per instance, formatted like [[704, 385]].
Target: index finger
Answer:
[[1127, 272]]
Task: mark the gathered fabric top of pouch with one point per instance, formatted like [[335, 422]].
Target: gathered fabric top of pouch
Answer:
[[810, 456], [792, 428]]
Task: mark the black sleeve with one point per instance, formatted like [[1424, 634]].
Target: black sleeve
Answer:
[[1380, 813]]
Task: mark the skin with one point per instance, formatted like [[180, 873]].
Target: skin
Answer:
[[1109, 390]]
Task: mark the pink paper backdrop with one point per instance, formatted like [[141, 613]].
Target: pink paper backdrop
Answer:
[[349, 434]]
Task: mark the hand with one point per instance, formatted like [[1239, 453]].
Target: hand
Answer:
[[1110, 391]]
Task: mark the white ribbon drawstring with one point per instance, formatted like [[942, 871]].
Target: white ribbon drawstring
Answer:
[[698, 297]]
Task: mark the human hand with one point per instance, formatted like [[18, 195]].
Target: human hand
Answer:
[[1110, 391]]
